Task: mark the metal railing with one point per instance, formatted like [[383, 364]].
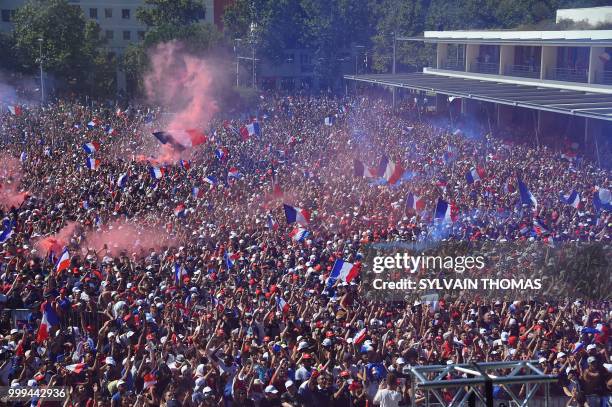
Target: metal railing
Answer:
[[603, 77], [485, 67], [453, 65], [524, 71], [569, 75]]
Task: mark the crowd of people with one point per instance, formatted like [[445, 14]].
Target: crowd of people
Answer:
[[141, 276]]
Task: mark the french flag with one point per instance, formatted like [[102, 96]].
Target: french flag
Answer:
[[179, 273], [15, 110], [211, 179], [601, 199], [230, 258], [91, 147], [253, 129], [271, 223], [360, 336], [49, 320], [194, 138], [527, 197], [299, 234], [122, 180], [244, 133], [196, 192], [444, 211], [93, 163], [234, 173], [473, 175], [157, 172], [91, 124], [360, 170], [179, 211], [390, 171], [109, 130], [343, 270], [572, 199], [7, 230], [186, 165], [282, 305], [295, 214], [414, 202], [63, 263], [76, 368], [539, 227]]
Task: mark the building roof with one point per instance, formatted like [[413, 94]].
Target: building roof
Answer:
[[602, 38], [584, 104]]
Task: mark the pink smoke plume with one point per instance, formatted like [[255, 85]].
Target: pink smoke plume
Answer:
[[119, 236], [56, 243], [183, 84], [10, 179]]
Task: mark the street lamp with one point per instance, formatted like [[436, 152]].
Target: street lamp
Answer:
[[253, 39], [236, 45], [357, 47], [42, 82]]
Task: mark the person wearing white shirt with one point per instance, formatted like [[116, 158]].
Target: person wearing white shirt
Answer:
[[387, 394]]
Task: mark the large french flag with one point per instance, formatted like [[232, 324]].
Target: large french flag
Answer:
[[414, 202], [295, 214], [194, 138], [63, 263], [15, 110], [76, 368], [527, 197], [473, 175], [343, 270], [91, 147], [49, 320], [360, 170], [602, 199], [390, 171], [156, 172], [181, 139], [299, 234], [444, 211], [572, 199], [93, 163], [7, 230]]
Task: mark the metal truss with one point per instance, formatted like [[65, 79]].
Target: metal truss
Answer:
[[472, 382]]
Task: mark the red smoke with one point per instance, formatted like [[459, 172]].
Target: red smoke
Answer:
[[10, 178], [57, 242], [120, 235], [182, 83]]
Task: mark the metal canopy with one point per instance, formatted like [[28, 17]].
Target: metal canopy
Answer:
[[578, 103], [476, 381], [559, 42]]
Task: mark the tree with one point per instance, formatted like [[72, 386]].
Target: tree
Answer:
[[157, 13]]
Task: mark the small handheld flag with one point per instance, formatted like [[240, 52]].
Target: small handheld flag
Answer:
[[93, 163], [299, 234], [572, 199], [294, 214]]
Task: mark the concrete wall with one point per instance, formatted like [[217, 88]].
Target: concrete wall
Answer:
[[596, 64], [471, 53], [441, 54], [549, 61], [506, 57]]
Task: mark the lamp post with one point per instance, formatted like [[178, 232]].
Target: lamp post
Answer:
[[253, 38], [357, 47], [236, 44], [42, 82], [393, 66]]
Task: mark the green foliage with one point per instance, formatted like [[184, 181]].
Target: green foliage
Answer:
[[170, 12]]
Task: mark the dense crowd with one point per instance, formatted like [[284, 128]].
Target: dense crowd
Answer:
[[188, 289]]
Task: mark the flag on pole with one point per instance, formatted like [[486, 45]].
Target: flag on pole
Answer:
[[63, 263], [282, 305], [390, 171], [360, 336], [49, 320], [299, 234], [414, 202], [93, 163], [7, 230], [343, 271], [179, 273], [157, 172], [91, 147], [360, 170], [444, 211], [253, 129], [15, 110], [271, 223], [473, 175]]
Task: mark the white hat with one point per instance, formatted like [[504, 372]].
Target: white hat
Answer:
[[110, 361], [542, 360], [271, 389], [400, 361], [591, 346], [288, 383], [560, 355]]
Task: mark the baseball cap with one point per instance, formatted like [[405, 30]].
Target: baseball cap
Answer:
[[271, 389], [288, 383]]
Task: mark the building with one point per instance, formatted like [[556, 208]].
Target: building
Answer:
[[593, 15], [551, 81]]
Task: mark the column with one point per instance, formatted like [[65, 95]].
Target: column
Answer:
[[549, 61], [596, 65], [441, 54], [506, 58], [471, 53]]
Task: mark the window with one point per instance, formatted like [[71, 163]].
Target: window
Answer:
[[125, 13], [6, 15], [108, 12], [109, 34], [93, 13], [127, 35], [141, 35]]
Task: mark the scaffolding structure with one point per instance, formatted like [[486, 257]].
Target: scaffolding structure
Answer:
[[473, 382]]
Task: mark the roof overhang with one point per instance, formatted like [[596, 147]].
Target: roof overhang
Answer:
[[571, 102]]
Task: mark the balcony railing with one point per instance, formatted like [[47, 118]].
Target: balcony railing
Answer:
[[453, 65], [524, 71], [603, 77], [485, 67], [569, 75]]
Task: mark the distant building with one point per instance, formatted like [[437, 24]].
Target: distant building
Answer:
[[592, 15]]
